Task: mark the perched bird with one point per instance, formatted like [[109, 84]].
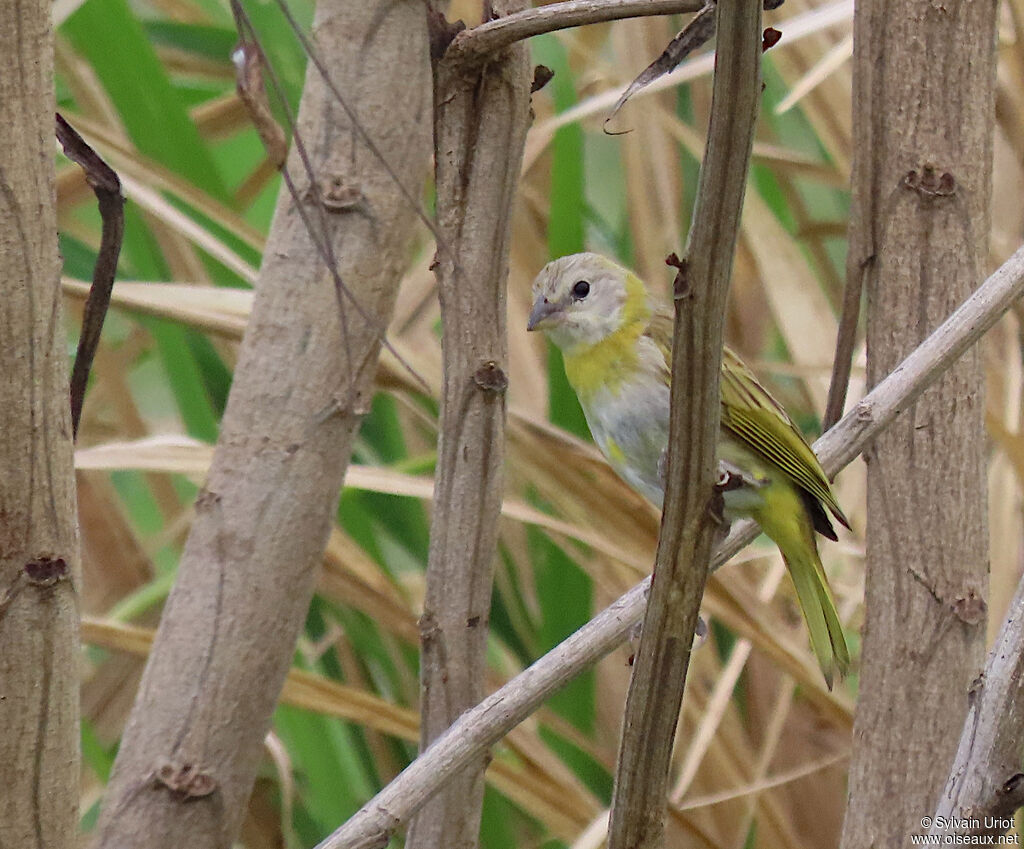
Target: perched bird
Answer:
[[616, 341]]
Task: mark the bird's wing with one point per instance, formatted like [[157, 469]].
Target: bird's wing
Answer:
[[754, 417], [659, 331]]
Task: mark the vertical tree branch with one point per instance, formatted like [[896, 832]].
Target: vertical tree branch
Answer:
[[687, 530], [193, 743], [481, 114], [924, 93], [39, 561]]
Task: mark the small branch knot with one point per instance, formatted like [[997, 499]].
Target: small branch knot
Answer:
[[542, 75], [681, 285], [338, 195], [46, 571], [769, 38], [490, 377], [1013, 785], [864, 412], [429, 628], [970, 608], [441, 32], [929, 183], [186, 780], [206, 499]]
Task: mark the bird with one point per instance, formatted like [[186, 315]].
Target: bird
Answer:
[[616, 343]]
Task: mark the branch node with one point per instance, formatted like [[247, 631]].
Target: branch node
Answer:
[[46, 571], [542, 75], [491, 378], [970, 608], [186, 780], [336, 194], [929, 183], [681, 284], [207, 499], [864, 412], [441, 32], [429, 627], [769, 38]]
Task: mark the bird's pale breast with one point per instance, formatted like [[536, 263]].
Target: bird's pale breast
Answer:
[[629, 423]]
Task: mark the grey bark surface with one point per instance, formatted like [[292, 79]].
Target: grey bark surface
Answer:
[[986, 783], [39, 563], [481, 114], [687, 530], [924, 94], [303, 383]]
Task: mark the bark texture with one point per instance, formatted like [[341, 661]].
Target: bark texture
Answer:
[[924, 94], [985, 785], [193, 743], [39, 565], [481, 117], [687, 530]]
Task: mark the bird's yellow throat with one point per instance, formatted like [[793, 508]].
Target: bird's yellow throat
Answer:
[[607, 364]]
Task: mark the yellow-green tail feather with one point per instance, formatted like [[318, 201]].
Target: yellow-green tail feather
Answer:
[[819, 610], [784, 518]]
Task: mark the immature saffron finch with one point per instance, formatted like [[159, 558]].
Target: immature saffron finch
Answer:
[[616, 343]]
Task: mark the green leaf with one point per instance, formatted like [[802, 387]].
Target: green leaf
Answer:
[[565, 595], [111, 39]]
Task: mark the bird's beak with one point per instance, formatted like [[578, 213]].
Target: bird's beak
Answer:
[[543, 314]]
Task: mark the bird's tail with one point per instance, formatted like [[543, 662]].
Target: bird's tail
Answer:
[[795, 540], [812, 591]]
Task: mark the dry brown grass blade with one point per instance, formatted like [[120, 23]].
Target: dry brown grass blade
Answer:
[[128, 161], [214, 309], [833, 59], [764, 784]]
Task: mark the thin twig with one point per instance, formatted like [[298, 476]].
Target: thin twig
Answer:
[[492, 36], [479, 728], [107, 187], [249, 61], [846, 340], [687, 526]]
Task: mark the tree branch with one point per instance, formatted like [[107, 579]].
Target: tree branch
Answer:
[[986, 785], [193, 742], [39, 552], [687, 525], [491, 36], [485, 724], [924, 97], [481, 115]]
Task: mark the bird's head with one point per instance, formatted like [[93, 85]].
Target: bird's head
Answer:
[[582, 299]]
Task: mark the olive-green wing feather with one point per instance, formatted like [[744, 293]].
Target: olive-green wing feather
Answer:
[[753, 416]]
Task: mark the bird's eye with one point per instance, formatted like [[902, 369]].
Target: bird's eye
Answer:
[[580, 290]]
